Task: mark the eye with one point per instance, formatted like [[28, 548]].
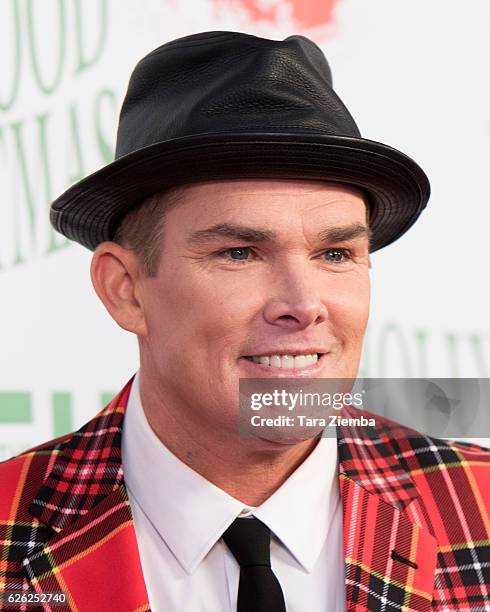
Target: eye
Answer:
[[236, 253], [337, 256]]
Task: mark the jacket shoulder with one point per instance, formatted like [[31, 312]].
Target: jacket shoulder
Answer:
[[437, 461], [451, 473], [403, 436], [427, 451], [471, 450]]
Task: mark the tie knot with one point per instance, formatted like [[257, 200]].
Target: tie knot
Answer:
[[249, 541]]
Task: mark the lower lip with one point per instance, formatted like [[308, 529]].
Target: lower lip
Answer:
[[259, 370]]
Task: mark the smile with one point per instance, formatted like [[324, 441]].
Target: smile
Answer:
[[286, 362]]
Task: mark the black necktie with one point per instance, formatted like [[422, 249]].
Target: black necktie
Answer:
[[259, 589]]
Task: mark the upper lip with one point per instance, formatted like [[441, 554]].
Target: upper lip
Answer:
[[287, 351]]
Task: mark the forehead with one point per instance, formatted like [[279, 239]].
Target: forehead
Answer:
[[271, 198]]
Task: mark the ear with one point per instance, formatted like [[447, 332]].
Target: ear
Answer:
[[116, 276]]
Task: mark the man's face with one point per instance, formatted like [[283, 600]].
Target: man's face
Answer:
[[255, 268]]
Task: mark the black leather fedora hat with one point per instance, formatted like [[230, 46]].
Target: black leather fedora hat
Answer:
[[220, 105]]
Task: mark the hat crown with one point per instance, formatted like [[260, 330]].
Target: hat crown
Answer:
[[218, 82], [221, 105]]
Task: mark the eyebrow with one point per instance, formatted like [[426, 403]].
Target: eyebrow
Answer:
[[254, 234]]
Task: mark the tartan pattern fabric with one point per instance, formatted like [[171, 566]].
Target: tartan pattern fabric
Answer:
[[416, 526]]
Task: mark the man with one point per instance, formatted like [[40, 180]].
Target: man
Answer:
[[232, 236]]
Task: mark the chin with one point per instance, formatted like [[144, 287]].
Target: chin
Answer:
[[280, 437], [274, 441]]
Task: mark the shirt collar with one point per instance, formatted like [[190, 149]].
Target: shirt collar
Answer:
[[194, 516], [301, 511]]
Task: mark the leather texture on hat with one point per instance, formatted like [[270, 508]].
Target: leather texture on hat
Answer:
[[221, 105]]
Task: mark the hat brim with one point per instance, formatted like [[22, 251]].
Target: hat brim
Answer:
[[397, 188]]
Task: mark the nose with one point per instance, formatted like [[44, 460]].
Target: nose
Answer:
[[296, 303]]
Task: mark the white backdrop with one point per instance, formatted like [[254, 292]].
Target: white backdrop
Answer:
[[414, 75]]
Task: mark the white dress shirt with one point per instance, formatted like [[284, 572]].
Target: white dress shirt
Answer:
[[179, 517]]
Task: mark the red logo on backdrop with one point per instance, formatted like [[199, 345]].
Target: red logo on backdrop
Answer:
[[304, 13]]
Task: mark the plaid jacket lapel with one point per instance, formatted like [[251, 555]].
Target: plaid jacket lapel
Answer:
[[390, 548], [94, 554]]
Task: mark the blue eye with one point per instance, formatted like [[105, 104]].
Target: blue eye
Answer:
[[337, 256], [242, 253]]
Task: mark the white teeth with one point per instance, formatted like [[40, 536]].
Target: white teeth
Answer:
[[275, 361], [300, 361], [287, 361]]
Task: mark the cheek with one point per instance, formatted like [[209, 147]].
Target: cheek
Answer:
[[348, 307], [196, 312]]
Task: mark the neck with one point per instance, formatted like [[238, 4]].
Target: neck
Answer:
[[248, 471]]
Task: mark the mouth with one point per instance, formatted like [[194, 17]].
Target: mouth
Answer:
[[291, 364]]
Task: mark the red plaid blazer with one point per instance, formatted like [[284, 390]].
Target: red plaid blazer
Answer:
[[416, 526]]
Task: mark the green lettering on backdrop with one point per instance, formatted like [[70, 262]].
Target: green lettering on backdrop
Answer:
[[62, 413], [46, 87], [103, 142], [30, 194], [48, 190], [421, 336], [476, 344], [106, 397], [27, 191], [3, 163], [36, 175], [452, 349], [79, 173], [392, 331], [5, 104], [15, 407], [84, 61]]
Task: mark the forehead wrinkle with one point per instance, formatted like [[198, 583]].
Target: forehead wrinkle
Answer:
[[328, 198]]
